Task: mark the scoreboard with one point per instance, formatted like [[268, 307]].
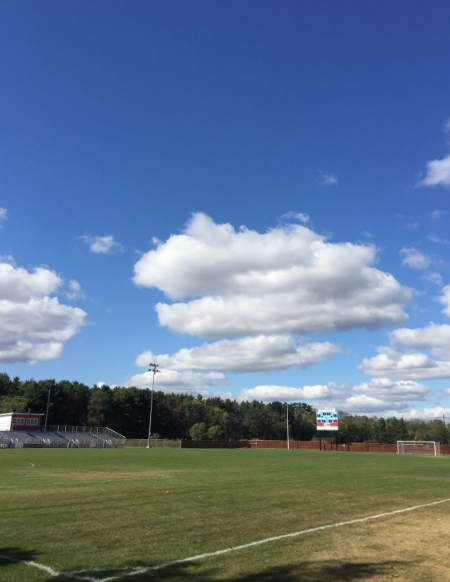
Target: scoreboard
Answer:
[[327, 420]]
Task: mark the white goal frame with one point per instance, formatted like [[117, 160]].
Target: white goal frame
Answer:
[[419, 447]]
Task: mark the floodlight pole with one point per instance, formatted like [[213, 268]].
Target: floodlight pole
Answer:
[[48, 405], [287, 424], [154, 369]]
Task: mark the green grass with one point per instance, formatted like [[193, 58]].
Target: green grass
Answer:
[[78, 509]]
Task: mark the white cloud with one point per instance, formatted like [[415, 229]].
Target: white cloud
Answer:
[[286, 393], [438, 173], [447, 128], [435, 338], [363, 404], [328, 180], [414, 258], [436, 214], [102, 244], [3, 216], [446, 391], [287, 280], [17, 284], [434, 278], [75, 291], [175, 382], [416, 366], [425, 414], [386, 389], [249, 354], [301, 216], [437, 239], [375, 399], [33, 326], [445, 300]]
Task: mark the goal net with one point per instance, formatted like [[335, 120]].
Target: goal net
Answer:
[[418, 447]]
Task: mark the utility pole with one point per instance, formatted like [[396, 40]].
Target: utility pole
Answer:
[[287, 424], [48, 405], [154, 369]]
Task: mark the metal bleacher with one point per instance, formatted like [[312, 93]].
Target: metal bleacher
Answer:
[[64, 437]]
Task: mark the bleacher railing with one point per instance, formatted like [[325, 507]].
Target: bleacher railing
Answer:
[[91, 430]]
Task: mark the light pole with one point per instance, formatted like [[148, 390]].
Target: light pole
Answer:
[[48, 404], [287, 424], [154, 369]]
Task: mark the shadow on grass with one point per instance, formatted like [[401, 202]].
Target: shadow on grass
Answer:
[[15, 555], [320, 571]]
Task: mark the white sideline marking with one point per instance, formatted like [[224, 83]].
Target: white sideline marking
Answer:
[[132, 571], [32, 464], [142, 570], [47, 569]]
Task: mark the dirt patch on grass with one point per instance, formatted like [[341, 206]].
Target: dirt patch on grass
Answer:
[[411, 547]]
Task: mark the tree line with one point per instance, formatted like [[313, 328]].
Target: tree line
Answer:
[[183, 416]]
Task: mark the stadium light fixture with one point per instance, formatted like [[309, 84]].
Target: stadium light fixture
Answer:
[[154, 369]]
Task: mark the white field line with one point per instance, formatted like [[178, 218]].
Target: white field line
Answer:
[[142, 570], [133, 571], [48, 570]]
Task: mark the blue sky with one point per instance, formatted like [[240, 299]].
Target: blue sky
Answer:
[[254, 194]]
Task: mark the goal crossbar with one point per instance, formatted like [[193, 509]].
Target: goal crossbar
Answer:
[[419, 447]]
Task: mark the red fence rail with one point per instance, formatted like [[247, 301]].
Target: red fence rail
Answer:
[[326, 446], [214, 444], [311, 445]]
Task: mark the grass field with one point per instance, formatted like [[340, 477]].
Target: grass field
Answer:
[[79, 509]]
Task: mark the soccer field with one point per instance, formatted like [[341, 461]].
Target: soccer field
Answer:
[[101, 514]]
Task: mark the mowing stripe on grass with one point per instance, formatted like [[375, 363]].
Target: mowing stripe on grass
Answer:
[[133, 571]]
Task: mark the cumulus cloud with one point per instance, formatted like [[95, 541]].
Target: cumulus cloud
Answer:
[[435, 338], [425, 414], [249, 354], [33, 326], [438, 173], [387, 390], [287, 280], [172, 381], [286, 393], [75, 291], [415, 366], [445, 300], [102, 244], [328, 180], [301, 216], [376, 397], [414, 258], [364, 404]]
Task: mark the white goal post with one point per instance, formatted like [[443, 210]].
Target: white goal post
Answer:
[[418, 448]]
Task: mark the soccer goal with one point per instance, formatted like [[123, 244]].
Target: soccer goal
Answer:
[[418, 448]]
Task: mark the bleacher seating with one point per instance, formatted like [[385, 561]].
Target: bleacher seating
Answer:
[[60, 437]]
